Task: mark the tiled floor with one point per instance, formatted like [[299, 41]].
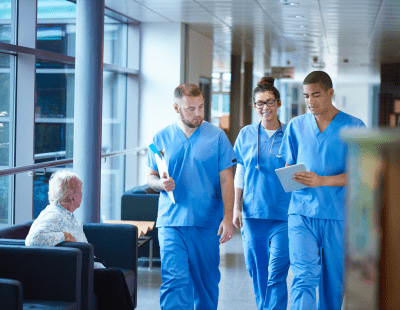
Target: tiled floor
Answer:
[[236, 290]]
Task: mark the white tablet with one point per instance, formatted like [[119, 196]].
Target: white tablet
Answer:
[[286, 174]]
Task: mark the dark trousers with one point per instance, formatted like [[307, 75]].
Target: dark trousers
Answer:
[[111, 290]]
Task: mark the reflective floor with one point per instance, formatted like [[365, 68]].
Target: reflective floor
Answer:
[[236, 290]]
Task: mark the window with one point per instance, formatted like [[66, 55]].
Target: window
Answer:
[[115, 42], [54, 110], [113, 139], [49, 99], [221, 83], [7, 8], [56, 31], [54, 122], [7, 91], [226, 103], [56, 26]]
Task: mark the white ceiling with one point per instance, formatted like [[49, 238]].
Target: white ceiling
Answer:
[[273, 33]]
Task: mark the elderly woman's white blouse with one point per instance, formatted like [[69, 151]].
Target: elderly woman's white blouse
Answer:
[[49, 227]]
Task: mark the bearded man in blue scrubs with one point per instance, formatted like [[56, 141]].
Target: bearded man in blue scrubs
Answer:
[[199, 159], [316, 213]]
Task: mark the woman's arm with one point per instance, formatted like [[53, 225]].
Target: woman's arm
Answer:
[[47, 230], [237, 210], [44, 238]]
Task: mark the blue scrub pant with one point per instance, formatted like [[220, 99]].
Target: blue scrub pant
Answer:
[[316, 256], [189, 268], [266, 252]]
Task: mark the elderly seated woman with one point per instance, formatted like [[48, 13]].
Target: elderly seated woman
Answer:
[[57, 223]]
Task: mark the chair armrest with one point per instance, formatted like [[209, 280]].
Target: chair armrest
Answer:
[[12, 242], [19, 231], [117, 244], [10, 295], [87, 270], [46, 273]]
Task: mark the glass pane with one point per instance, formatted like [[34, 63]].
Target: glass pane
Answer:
[[56, 32], [54, 122], [56, 26], [113, 139], [226, 86], [215, 100], [216, 85], [7, 7], [115, 42], [226, 82], [226, 104], [7, 91]]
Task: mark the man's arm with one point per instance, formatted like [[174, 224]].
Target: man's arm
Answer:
[[311, 179], [160, 184], [226, 226]]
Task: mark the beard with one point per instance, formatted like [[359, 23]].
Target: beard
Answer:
[[191, 125]]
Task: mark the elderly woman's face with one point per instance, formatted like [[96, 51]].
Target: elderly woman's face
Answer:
[[77, 199], [79, 195]]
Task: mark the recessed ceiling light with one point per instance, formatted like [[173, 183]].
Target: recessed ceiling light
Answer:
[[290, 3], [298, 16], [299, 26]]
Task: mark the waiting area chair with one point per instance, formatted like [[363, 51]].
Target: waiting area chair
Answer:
[[40, 278], [141, 204], [116, 244]]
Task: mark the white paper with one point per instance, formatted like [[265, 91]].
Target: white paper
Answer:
[[162, 167]]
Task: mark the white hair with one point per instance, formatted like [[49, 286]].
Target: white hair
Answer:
[[62, 186]]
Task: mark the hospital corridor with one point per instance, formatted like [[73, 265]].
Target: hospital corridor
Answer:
[[213, 149]]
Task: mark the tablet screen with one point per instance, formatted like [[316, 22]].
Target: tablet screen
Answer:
[[285, 176]]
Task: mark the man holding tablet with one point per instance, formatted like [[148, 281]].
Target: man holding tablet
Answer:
[[316, 213]]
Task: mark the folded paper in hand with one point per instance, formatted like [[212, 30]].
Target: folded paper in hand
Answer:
[[162, 167]]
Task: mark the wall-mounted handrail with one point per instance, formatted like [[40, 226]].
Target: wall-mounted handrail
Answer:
[[62, 162]]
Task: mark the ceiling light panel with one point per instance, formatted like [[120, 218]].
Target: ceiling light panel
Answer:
[[136, 11]]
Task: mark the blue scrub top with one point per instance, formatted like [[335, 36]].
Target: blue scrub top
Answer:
[[263, 194], [194, 164], [323, 153]]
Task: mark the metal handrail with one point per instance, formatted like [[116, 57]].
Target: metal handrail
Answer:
[[50, 155], [62, 162]]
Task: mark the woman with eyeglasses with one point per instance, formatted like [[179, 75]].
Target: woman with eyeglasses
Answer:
[[263, 220]]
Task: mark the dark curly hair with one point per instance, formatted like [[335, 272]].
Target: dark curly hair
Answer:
[[266, 84]]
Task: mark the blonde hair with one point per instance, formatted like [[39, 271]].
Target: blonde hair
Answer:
[[63, 185]]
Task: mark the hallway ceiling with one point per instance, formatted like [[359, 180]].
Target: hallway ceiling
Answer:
[[343, 37]]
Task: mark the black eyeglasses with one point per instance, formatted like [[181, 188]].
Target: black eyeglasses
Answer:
[[270, 103]]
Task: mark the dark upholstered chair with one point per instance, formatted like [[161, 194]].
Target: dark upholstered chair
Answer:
[[11, 295], [138, 205], [40, 278], [114, 243]]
